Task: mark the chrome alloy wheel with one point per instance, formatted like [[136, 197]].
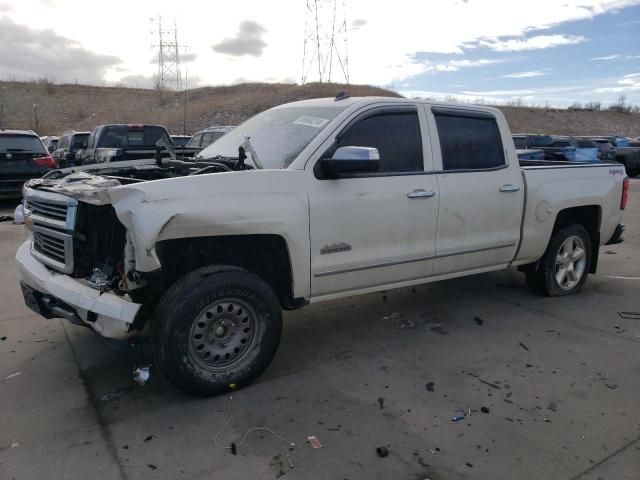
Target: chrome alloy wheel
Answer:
[[570, 263]]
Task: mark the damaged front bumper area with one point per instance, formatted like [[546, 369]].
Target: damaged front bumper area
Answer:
[[56, 295]]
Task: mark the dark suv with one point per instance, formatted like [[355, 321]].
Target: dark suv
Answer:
[[23, 156], [68, 146]]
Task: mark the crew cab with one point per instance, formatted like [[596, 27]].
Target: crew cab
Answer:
[[306, 202], [118, 142]]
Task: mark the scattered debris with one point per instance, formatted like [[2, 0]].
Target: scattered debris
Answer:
[[13, 375], [478, 321], [458, 418], [126, 447], [612, 386], [485, 409], [313, 440], [152, 466], [439, 330], [630, 315], [3, 338], [42, 340], [382, 452], [553, 407], [234, 449], [141, 375], [399, 321], [148, 439], [5, 218], [492, 385], [524, 346], [610, 252], [381, 402], [115, 395], [9, 446], [430, 387], [289, 461], [470, 465]]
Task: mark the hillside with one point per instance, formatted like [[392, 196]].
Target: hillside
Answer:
[[81, 107]]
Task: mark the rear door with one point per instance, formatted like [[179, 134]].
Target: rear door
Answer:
[[481, 190], [377, 228]]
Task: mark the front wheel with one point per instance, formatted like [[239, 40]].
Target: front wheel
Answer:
[[216, 329], [564, 267]]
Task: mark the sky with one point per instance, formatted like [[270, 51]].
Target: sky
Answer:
[[554, 52]]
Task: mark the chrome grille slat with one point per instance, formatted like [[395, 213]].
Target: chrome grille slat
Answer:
[[52, 219]]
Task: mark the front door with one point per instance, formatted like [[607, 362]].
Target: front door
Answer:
[[373, 229]]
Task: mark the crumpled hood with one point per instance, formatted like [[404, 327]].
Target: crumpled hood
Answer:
[[81, 186]]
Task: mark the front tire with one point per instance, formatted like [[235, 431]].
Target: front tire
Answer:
[[565, 265], [216, 329]]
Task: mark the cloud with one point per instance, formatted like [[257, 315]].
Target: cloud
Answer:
[[615, 56], [530, 74], [27, 53], [5, 8], [248, 41], [455, 65], [628, 83], [188, 57], [508, 93], [538, 42], [358, 22]]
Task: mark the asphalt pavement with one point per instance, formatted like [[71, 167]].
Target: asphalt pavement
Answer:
[[543, 388]]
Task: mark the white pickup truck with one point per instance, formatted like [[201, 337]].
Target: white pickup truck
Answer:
[[306, 202]]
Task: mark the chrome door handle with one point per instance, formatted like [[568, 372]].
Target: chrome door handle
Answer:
[[509, 188], [421, 194]]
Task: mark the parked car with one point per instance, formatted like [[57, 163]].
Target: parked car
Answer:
[[117, 142], [529, 154], [586, 150], [606, 150], [69, 145], [206, 137], [50, 143], [627, 154], [545, 143], [326, 199], [23, 156], [180, 140]]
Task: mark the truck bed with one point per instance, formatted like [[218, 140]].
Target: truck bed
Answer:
[[554, 186]]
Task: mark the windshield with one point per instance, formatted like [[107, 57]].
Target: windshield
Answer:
[[21, 143], [277, 135]]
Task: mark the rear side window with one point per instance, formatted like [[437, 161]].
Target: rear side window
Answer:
[[520, 142], [21, 143], [396, 136], [469, 142], [207, 138]]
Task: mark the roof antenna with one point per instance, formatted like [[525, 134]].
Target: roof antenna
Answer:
[[341, 96]]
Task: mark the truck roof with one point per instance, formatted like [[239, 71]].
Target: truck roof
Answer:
[[349, 101]]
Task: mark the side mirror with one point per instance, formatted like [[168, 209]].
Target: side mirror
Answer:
[[352, 160]]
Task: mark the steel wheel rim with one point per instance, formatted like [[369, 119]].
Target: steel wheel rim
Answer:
[[570, 263], [222, 334]]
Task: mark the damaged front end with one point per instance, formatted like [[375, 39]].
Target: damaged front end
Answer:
[[79, 263]]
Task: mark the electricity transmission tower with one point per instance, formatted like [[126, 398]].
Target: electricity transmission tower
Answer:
[[325, 52], [169, 77]]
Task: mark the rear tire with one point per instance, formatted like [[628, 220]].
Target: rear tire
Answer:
[[564, 267], [216, 329]]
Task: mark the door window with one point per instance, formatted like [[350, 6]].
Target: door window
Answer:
[[396, 136], [469, 142]]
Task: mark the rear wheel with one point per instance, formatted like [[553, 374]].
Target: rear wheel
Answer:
[[216, 329], [565, 265]]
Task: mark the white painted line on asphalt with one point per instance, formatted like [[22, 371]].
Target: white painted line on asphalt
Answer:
[[621, 277]]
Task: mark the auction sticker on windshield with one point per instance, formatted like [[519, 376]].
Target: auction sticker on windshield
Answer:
[[315, 122]]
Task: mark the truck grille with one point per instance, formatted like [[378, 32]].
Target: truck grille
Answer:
[[52, 218]]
